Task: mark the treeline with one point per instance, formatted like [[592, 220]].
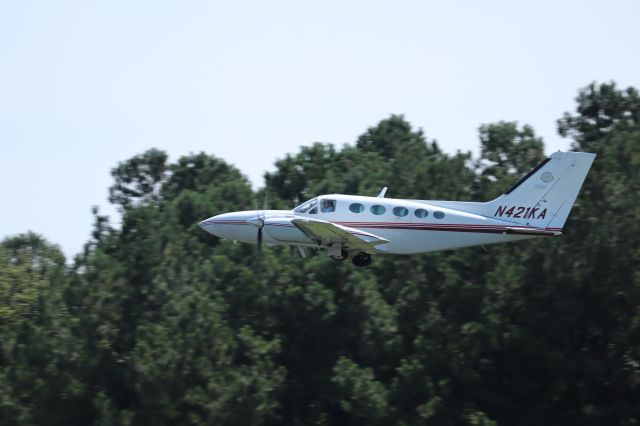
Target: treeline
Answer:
[[158, 322]]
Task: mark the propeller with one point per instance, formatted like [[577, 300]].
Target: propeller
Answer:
[[296, 202], [258, 222]]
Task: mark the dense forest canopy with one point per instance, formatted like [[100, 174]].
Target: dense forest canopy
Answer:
[[158, 322]]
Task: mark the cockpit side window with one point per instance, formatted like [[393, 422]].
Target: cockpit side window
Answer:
[[327, 206], [307, 206]]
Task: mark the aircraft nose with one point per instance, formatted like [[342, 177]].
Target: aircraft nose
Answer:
[[231, 226], [211, 225]]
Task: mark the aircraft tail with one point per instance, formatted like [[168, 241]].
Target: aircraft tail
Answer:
[[544, 197]]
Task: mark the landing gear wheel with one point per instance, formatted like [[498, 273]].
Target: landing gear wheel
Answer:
[[343, 255], [362, 259]]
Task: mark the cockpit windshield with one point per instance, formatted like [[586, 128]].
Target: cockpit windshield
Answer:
[[306, 206]]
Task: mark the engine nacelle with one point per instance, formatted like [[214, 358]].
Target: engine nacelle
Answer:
[[284, 231]]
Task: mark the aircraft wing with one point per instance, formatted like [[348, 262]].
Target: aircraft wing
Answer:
[[325, 233]]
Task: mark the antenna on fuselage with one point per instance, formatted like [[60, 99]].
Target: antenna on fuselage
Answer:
[[384, 191]]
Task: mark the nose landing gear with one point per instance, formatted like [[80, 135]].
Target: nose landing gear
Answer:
[[362, 259]]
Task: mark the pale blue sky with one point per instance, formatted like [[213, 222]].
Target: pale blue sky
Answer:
[[86, 84]]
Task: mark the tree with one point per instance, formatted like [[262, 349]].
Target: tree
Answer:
[[38, 354], [138, 180], [158, 322], [600, 110], [507, 153]]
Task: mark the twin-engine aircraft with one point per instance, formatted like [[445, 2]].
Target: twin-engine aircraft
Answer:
[[536, 206]]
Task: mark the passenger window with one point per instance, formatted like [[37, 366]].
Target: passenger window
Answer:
[[400, 211], [328, 206], [377, 209], [356, 207], [421, 213], [438, 215]]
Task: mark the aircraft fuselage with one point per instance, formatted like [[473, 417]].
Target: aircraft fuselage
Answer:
[[397, 221]]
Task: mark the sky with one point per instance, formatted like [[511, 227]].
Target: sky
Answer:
[[87, 84]]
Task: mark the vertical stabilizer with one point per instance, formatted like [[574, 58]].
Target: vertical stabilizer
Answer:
[[544, 197]]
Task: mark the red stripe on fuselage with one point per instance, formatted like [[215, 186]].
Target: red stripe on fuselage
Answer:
[[443, 227], [440, 226]]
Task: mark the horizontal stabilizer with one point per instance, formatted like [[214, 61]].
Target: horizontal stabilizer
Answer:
[[532, 231]]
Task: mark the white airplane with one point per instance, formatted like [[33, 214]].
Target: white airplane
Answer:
[[538, 205]]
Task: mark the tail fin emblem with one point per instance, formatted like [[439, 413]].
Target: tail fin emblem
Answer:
[[546, 177]]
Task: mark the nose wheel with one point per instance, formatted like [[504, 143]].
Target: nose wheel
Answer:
[[362, 259]]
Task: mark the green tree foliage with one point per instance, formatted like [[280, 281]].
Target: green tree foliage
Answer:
[[601, 109], [138, 179], [38, 355], [508, 153], [158, 322], [389, 154]]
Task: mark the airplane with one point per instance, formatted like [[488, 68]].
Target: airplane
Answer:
[[538, 205]]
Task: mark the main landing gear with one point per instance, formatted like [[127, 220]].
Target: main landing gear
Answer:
[[362, 259], [336, 252], [341, 255]]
